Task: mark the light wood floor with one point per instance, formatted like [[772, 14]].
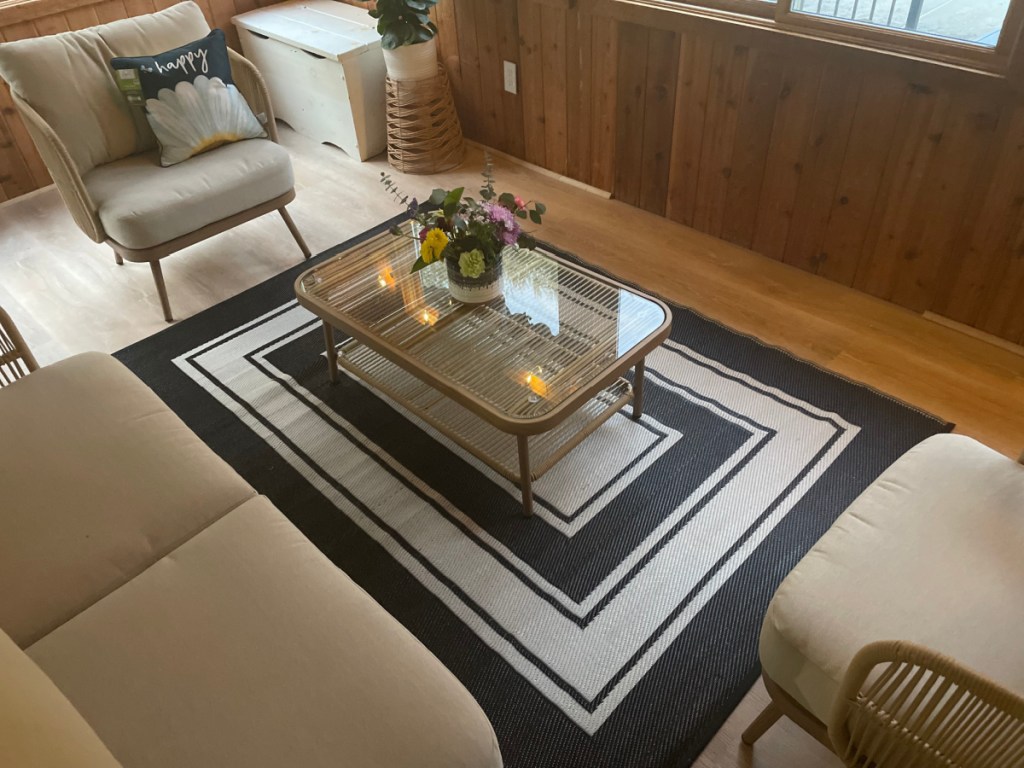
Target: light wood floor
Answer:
[[69, 296]]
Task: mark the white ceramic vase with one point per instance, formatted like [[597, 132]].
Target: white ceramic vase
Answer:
[[412, 62]]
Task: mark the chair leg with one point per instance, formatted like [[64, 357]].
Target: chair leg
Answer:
[[295, 231], [768, 717], [161, 289], [118, 260]]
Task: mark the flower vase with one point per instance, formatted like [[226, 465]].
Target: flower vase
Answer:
[[473, 290]]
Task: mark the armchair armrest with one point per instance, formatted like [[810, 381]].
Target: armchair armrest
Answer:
[[16, 359], [902, 704], [250, 83], [63, 170]]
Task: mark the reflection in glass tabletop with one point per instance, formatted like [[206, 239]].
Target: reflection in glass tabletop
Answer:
[[555, 329]]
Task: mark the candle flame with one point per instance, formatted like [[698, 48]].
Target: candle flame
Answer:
[[385, 279], [536, 384]]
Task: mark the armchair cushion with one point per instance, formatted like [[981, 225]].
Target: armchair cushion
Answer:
[[82, 103], [142, 204], [932, 553]]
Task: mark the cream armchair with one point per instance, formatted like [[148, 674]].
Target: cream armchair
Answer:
[[896, 641], [103, 156]]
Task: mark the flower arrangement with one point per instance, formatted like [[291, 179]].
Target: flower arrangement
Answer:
[[468, 233]]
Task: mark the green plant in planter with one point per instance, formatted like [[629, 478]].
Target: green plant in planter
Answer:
[[404, 22]]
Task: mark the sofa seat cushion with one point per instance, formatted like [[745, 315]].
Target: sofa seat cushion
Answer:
[[932, 552], [38, 726], [99, 480], [247, 647], [142, 204]]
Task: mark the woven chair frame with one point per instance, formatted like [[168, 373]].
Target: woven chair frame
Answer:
[[16, 359], [905, 706]]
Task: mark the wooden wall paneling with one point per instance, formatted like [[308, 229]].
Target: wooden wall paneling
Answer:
[[980, 257], [112, 10], [579, 84], [822, 164], [688, 133], [469, 61], [510, 112], [51, 25], [218, 14], [491, 125], [139, 7], [879, 110], [750, 153], [604, 87], [21, 168], [81, 18], [531, 85], [556, 121], [659, 112], [729, 70], [443, 15], [244, 6], [939, 212], [1003, 314], [914, 145], [632, 99], [784, 169]]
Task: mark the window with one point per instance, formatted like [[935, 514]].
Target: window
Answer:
[[970, 21], [976, 33]]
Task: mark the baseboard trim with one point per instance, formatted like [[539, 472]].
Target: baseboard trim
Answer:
[[974, 333], [603, 193]]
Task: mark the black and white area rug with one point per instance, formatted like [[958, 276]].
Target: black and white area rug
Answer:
[[618, 627]]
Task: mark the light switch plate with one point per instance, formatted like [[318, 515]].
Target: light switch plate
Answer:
[[511, 86]]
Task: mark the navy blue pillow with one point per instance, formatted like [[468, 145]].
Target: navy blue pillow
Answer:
[[191, 101]]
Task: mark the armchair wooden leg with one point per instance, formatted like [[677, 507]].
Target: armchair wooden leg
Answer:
[[768, 717], [161, 289], [295, 231], [118, 260]]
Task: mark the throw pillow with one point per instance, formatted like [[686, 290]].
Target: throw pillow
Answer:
[[191, 102]]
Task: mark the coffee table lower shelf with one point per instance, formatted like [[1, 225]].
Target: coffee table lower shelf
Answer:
[[506, 453]]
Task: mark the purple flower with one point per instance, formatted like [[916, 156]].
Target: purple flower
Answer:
[[508, 227]]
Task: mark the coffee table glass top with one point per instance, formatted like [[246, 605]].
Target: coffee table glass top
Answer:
[[556, 328]]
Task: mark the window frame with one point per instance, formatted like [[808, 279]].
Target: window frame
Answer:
[[1005, 59]]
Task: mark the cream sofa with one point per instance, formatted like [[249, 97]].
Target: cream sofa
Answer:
[[157, 612]]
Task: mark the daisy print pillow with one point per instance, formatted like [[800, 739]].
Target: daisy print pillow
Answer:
[[191, 102]]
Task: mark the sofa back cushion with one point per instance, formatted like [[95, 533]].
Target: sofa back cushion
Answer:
[[68, 80], [38, 726]]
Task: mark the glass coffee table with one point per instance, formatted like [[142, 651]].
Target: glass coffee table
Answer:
[[519, 381]]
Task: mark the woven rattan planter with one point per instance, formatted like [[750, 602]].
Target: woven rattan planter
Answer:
[[424, 134]]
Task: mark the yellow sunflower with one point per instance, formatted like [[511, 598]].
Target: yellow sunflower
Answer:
[[433, 246]]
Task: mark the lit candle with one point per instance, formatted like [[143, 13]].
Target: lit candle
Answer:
[[385, 279], [427, 317], [537, 384]]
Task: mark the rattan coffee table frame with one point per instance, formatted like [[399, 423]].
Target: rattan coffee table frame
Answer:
[[606, 389]]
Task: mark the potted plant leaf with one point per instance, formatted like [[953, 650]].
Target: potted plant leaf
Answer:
[[408, 38]]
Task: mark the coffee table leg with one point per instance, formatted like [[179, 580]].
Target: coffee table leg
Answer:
[[638, 390], [332, 353], [525, 480]]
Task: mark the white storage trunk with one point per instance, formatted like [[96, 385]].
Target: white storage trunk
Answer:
[[324, 68]]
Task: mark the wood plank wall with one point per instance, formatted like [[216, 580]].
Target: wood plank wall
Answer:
[[21, 169], [903, 179]]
